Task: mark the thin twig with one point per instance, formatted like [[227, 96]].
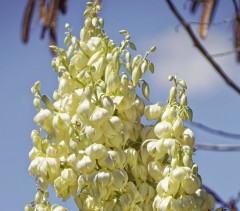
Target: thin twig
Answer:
[[214, 131], [218, 147], [226, 53], [217, 23], [200, 47]]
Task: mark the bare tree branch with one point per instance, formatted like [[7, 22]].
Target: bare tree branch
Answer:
[[218, 147], [200, 47], [214, 131], [235, 5]]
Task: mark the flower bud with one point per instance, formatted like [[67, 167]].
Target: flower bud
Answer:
[[188, 137], [195, 169], [144, 66], [38, 197], [101, 22], [36, 139], [168, 114], [128, 57], [187, 160], [113, 81], [178, 127], [145, 90], [170, 77], [58, 208], [84, 35], [136, 75], [41, 207], [36, 87], [172, 95], [37, 102], [136, 60], [183, 100], [88, 22], [182, 83], [28, 207]]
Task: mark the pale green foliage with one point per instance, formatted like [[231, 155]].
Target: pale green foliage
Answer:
[[91, 143]]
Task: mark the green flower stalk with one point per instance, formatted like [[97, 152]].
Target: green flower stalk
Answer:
[[91, 143]]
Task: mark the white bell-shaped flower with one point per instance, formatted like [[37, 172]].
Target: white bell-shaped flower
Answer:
[[180, 173], [168, 186], [99, 116], [153, 111], [163, 129], [120, 179], [103, 178], [96, 151], [86, 165], [155, 170], [44, 119]]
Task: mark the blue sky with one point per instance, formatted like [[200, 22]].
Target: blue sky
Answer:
[[150, 23]]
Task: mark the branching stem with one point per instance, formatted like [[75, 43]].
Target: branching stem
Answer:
[[200, 47]]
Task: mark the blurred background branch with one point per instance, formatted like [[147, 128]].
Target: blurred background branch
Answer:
[[218, 147], [215, 131]]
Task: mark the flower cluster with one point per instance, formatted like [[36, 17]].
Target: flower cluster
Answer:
[[171, 166], [41, 203], [91, 143]]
